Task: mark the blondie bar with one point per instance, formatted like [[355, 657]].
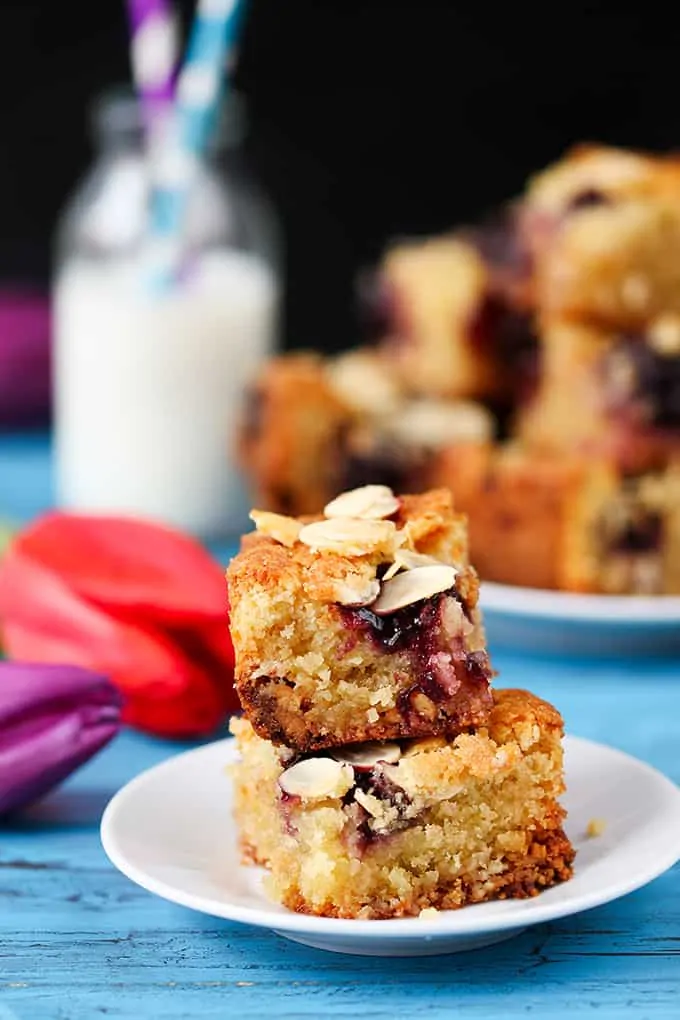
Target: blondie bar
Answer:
[[607, 394], [603, 229], [361, 625], [455, 329], [557, 521], [387, 830], [314, 427]]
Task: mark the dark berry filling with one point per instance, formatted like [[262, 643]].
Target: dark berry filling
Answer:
[[443, 670], [640, 531], [640, 379], [365, 830], [511, 335], [408, 629], [383, 464], [588, 199], [643, 534]]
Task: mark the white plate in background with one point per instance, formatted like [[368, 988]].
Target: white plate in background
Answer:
[[560, 622], [171, 831]]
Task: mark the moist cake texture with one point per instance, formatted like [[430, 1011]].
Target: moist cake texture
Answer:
[[360, 625], [387, 830]]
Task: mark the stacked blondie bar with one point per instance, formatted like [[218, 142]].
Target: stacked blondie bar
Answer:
[[380, 775], [531, 364]]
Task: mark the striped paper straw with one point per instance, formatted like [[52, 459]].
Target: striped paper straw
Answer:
[[154, 56], [199, 88]]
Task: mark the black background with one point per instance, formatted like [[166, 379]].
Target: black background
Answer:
[[368, 119]]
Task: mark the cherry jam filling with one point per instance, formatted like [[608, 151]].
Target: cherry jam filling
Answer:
[[364, 829], [651, 382], [641, 533], [511, 334], [384, 464], [441, 672]]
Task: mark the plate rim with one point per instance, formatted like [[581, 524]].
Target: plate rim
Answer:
[[447, 924], [577, 607]]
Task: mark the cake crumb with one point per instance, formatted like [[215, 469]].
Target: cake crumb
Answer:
[[428, 913], [595, 827]]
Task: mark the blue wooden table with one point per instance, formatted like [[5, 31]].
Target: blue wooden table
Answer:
[[77, 940]]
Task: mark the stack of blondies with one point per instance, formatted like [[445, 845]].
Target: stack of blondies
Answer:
[[531, 364], [380, 774]]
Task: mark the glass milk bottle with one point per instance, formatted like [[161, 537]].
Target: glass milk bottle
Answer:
[[149, 385]]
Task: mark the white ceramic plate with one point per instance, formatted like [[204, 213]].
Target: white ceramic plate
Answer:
[[564, 622], [170, 830]]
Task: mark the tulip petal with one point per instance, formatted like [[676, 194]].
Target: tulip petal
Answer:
[[52, 720], [128, 564]]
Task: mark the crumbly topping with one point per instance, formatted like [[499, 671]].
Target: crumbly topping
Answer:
[[361, 530], [351, 536], [285, 530]]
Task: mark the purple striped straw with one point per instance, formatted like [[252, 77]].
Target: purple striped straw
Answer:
[[154, 56]]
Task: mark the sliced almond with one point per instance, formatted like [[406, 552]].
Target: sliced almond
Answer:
[[435, 423], [370, 502], [277, 526], [356, 591], [413, 586], [362, 381], [351, 537], [316, 778], [365, 756], [407, 559], [664, 335]]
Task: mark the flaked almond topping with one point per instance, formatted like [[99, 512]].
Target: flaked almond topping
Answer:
[[370, 502], [316, 778], [363, 381], [434, 423], [364, 756], [412, 586], [407, 559], [351, 537], [277, 526], [356, 591], [664, 335], [426, 744]]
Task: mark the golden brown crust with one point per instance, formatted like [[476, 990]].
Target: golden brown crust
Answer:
[[519, 506], [547, 862], [289, 442]]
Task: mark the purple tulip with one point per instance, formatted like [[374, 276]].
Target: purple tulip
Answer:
[[52, 720]]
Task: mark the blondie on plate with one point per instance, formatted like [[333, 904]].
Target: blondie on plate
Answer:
[[386, 830]]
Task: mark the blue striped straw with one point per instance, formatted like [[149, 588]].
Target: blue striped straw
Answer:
[[199, 89]]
